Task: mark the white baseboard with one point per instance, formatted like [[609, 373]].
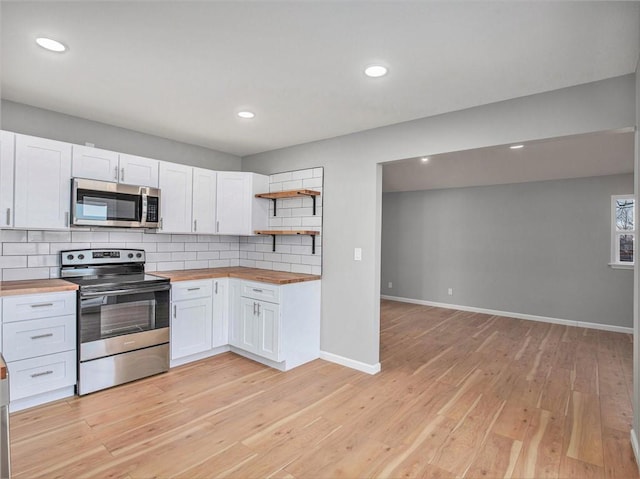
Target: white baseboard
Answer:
[[529, 317], [198, 356], [350, 363], [634, 446]]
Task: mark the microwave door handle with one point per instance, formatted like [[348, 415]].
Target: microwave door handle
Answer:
[[143, 209]]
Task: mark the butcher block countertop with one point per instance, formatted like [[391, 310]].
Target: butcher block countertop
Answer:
[[35, 286], [251, 274], [3, 368]]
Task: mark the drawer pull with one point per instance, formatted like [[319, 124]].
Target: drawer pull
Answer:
[[257, 290], [40, 336], [193, 289], [41, 305], [127, 343], [44, 373]]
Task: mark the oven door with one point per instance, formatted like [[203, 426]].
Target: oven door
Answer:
[[116, 321]]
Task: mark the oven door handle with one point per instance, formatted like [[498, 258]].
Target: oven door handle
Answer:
[[115, 292]]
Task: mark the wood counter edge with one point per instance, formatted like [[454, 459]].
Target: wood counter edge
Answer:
[[177, 276], [31, 286], [3, 369]]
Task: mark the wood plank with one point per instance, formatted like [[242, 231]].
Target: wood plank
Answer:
[[288, 194], [437, 409]]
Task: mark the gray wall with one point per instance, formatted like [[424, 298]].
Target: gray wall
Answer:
[[29, 120], [538, 248], [352, 214], [636, 308]]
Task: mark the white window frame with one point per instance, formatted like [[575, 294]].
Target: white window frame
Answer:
[[615, 243]]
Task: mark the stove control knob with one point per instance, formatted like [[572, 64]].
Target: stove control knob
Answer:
[[138, 255], [130, 255], [69, 256], [80, 256]]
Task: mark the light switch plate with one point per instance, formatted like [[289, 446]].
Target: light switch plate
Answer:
[[357, 254]]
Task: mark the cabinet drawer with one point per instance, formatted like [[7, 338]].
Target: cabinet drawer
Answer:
[[191, 290], [260, 291], [39, 375], [35, 306], [38, 337]]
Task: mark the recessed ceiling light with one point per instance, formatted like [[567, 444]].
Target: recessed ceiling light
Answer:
[[375, 71], [51, 44], [424, 159], [516, 147], [246, 114]]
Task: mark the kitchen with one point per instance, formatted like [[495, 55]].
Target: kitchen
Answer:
[[351, 175]]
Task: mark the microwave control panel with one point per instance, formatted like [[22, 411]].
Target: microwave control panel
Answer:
[[152, 209]]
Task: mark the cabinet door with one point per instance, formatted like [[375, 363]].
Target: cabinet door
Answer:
[[175, 197], [234, 203], [190, 327], [137, 170], [7, 147], [248, 321], [268, 324], [204, 201], [94, 163], [42, 183], [220, 312]]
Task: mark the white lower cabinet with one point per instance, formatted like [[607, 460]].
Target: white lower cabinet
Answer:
[[199, 319], [191, 318], [283, 331], [39, 346]]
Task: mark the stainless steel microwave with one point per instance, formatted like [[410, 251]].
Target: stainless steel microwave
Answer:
[[102, 203]]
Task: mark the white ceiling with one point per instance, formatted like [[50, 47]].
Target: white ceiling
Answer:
[[593, 154], [181, 70]]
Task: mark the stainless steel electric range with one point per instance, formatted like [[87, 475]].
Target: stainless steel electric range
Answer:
[[123, 317]]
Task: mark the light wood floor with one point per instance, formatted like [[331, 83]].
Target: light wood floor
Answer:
[[459, 395]]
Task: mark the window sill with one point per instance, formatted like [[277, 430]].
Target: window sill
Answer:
[[620, 266]]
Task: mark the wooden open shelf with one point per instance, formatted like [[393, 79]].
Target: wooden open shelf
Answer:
[[274, 233], [289, 194]]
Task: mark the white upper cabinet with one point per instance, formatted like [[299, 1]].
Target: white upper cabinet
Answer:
[[105, 165], [42, 183], [137, 170], [94, 163], [176, 196], [7, 150], [204, 201], [239, 212]]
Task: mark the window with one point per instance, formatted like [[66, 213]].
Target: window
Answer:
[[623, 230]]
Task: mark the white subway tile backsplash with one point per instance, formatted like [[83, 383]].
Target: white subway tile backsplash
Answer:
[[184, 238], [13, 261], [158, 257], [196, 264], [24, 248], [222, 263], [282, 267], [18, 274], [301, 174], [264, 264], [108, 245], [156, 238], [247, 263], [184, 256], [208, 255], [124, 237], [293, 185], [55, 248], [15, 236], [255, 256], [43, 260], [312, 183], [279, 177], [196, 247], [170, 265], [89, 236], [318, 172], [229, 254], [301, 268], [164, 247]]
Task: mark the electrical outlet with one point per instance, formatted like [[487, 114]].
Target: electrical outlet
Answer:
[[390, 285], [357, 254], [450, 292]]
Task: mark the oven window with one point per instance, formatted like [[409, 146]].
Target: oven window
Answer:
[[107, 316], [102, 206]]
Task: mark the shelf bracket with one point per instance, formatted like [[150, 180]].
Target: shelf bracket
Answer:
[[274, 238], [274, 212], [313, 238], [313, 198]]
